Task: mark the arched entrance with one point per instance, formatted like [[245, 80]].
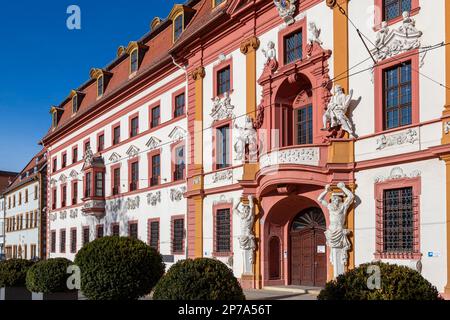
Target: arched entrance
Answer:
[[308, 265]]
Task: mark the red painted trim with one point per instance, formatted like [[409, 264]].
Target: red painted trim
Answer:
[[222, 65], [214, 128], [215, 209], [412, 56], [72, 240], [416, 184], [172, 219], [379, 13], [174, 96], [143, 190], [149, 222], [130, 163], [297, 26], [130, 119], [150, 115], [150, 156]]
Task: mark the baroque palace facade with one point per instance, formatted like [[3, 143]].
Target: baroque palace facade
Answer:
[[225, 129]]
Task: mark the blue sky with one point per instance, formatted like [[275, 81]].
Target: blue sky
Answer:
[[41, 60]]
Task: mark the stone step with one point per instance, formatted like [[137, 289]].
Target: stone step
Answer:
[[295, 289]]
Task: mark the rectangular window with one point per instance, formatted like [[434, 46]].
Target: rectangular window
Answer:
[[73, 240], [99, 184], [115, 230], [87, 145], [62, 241], [395, 8], [54, 199], [116, 183], [116, 135], [86, 235], [53, 242], [223, 231], [35, 219], [293, 49], [178, 27], [179, 105], [74, 104], [179, 164], [223, 147], [88, 181], [398, 222], [133, 230], [397, 96], [100, 231], [304, 125], [75, 155], [64, 196], [100, 84], [134, 176], [134, 61], [55, 119], [178, 236], [26, 196], [64, 160], [134, 127], [156, 170], [74, 193], [156, 117], [55, 165], [223, 80], [154, 234], [101, 143], [36, 192]]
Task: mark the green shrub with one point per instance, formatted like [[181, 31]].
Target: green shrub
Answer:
[[199, 279], [49, 276], [118, 268], [13, 272], [397, 283]]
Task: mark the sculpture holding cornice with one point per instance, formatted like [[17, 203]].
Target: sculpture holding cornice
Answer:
[[337, 234], [247, 238], [286, 10], [393, 42], [336, 114], [247, 145], [314, 34], [222, 108], [88, 157], [154, 198]]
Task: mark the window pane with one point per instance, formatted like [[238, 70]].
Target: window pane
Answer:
[[293, 47], [154, 234], [178, 29], [223, 231], [223, 81], [134, 61], [304, 125], [178, 236]]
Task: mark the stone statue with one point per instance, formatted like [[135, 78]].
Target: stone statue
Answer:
[[247, 141], [247, 238], [336, 113], [88, 157], [270, 53], [336, 233], [222, 108], [382, 35], [409, 25], [314, 34]]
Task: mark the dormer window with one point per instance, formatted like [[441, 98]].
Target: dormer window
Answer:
[[178, 27], [54, 119], [134, 62], [100, 83], [75, 104], [217, 2]]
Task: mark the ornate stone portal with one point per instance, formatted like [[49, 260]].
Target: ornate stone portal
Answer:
[[247, 238], [336, 234]]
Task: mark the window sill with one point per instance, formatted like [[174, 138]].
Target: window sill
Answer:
[[399, 255], [222, 254]]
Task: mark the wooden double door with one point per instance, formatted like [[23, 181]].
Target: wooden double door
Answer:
[[308, 265]]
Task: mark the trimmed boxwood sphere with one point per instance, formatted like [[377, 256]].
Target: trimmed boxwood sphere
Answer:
[[13, 272], [49, 276], [199, 279], [397, 283], [118, 268]]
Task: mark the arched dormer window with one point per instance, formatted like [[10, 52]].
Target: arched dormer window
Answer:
[[180, 16], [136, 51], [102, 78], [75, 100]]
